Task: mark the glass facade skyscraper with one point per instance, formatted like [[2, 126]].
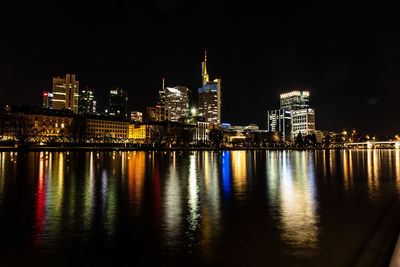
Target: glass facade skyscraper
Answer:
[[177, 101], [87, 104], [118, 103], [209, 97]]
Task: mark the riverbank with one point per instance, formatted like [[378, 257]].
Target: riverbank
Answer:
[[116, 148], [96, 148]]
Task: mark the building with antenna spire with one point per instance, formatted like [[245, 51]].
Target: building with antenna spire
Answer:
[[161, 94], [209, 98]]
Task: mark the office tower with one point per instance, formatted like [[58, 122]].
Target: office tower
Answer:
[[118, 103], [47, 99], [295, 100], [87, 104], [177, 101], [136, 116], [280, 121], [161, 94], [158, 113], [303, 121], [66, 93], [209, 97]]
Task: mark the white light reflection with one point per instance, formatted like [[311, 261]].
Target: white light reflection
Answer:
[[193, 197], [210, 212], [173, 207], [297, 201]]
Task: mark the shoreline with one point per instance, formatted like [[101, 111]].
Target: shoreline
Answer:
[[95, 148]]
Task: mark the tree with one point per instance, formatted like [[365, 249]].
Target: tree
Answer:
[[215, 137], [299, 140], [77, 131], [20, 127]]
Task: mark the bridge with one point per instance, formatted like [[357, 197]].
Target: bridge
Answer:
[[374, 144]]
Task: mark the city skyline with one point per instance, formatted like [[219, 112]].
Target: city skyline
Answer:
[[352, 61]]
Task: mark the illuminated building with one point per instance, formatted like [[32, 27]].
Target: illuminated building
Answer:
[[87, 104], [252, 127], [202, 133], [99, 127], [136, 116], [65, 93], [280, 121], [177, 101], [161, 94], [303, 121], [158, 113], [41, 124], [118, 103], [137, 133], [47, 99], [295, 100], [209, 97]]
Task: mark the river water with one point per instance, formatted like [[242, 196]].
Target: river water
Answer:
[[240, 208]]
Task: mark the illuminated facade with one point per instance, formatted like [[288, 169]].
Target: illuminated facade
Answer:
[[295, 100], [99, 128], [280, 121], [202, 133], [47, 99], [87, 104], [66, 93], [158, 113], [177, 101], [136, 116], [137, 133], [49, 125], [118, 103], [303, 121], [209, 97]]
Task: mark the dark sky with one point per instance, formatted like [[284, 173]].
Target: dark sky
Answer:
[[347, 56]]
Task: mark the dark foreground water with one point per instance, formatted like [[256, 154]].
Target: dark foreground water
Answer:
[[241, 208]]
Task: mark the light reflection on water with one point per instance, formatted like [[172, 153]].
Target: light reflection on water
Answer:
[[291, 189], [187, 202]]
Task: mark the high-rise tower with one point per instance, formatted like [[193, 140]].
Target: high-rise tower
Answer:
[[209, 99], [66, 93], [204, 70]]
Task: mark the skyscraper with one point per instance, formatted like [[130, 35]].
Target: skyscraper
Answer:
[[280, 120], [177, 101], [295, 100], [118, 103], [161, 94], [209, 98], [66, 93], [87, 104]]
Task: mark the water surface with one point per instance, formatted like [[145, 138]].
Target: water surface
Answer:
[[242, 208]]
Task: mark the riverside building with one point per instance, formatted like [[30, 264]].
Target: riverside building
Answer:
[[98, 127], [303, 122]]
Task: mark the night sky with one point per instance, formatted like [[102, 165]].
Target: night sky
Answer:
[[347, 56]]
